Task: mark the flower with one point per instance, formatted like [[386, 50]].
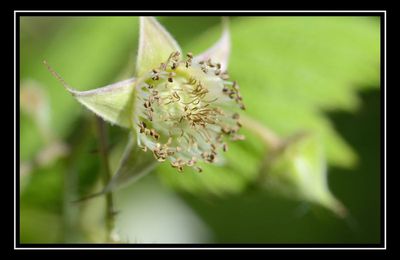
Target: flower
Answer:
[[182, 108]]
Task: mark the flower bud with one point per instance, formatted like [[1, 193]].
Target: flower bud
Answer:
[[298, 170]]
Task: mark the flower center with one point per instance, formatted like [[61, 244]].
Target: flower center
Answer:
[[186, 111]]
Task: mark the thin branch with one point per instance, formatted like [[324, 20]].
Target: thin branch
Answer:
[[266, 134], [103, 148]]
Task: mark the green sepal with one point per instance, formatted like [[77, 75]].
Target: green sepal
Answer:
[[113, 103], [298, 170], [155, 45]]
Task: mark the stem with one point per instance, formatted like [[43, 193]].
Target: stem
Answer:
[[77, 143], [266, 134], [103, 148], [70, 212], [273, 142]]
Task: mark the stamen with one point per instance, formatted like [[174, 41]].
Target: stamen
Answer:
[[186, 107], [224, 147]]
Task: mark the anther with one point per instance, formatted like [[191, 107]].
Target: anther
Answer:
[[154, 134], [170, 76], [147, 104], [163, 66], [225, 130], [175, 55], [191, 162], [142, 127], [178, 164], [144, 148], [224, 147], [210, 64], [238, 138], [224, 75], [235, 86]]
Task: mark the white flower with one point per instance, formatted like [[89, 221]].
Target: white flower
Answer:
[[182, 108]]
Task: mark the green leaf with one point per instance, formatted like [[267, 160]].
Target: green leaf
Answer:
[[311, 63], [291, 70], [155, 45]]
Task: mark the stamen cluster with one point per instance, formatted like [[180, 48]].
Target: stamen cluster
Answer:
[[185, 111]]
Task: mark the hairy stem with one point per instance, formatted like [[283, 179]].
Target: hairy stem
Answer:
[[77, 144], [103, 148]]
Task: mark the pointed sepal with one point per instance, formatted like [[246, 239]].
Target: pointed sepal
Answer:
[[299, 171], [113, 103], [220, 51], [133, 165], [155, 45]]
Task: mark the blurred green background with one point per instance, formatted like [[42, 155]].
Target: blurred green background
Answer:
[[296, 73]]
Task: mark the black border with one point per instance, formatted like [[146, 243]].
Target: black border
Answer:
[[198, 13], [379, 13]]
